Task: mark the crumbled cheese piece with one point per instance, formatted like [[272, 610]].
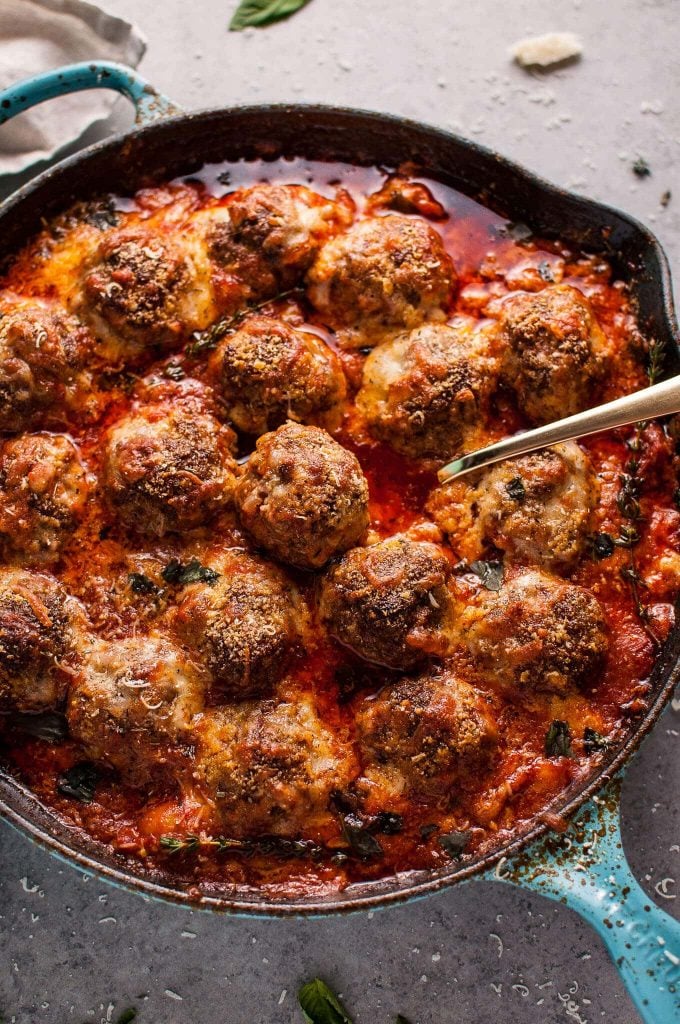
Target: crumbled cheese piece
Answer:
[[542, 51]]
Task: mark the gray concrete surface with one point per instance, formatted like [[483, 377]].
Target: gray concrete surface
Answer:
[[73, 949]]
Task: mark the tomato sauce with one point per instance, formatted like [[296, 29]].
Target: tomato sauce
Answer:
[[491, 257]]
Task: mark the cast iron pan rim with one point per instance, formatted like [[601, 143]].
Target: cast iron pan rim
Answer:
[[13, 794]]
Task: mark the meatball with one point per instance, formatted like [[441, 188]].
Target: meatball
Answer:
[[132, 704], [426, 392], [264, 238], [537, 633], [42, 353], [431, 729], [243, 628], [556, 351], [385, 274], [268, 372], [390, 602], [303, 496], [536, 508], [43, 491], [167, 468], [139, 291], [37, 619], [271, 767]]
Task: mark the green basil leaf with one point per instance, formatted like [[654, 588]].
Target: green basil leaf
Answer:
[[490, 573], [263, 12], [558, 740], [79, 782], [454, 843], [320, 1005], [192, 571]]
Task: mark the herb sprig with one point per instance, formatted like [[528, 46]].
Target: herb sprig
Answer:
[[258, 13], [207, 340]]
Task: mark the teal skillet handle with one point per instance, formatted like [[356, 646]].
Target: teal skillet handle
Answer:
[[586, 869], [149, 104]]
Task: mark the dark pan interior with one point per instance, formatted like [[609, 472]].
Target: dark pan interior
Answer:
[[180, 146]]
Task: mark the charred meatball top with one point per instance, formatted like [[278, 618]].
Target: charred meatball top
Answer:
[[556, 351], [37, 648], [303, 496], [426, 392], [429, 730], [536, 508], [385, 274], [263, 239], [538, 633], [390, 602], [267, 372], [244, 627], [132, 704], [42, 354], [168, 468], [43, 491]]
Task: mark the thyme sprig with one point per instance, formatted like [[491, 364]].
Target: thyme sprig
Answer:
[[207, 340], [277, 845], [628, 500]]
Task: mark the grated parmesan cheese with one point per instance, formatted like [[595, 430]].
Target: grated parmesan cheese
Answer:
[[543, 51]]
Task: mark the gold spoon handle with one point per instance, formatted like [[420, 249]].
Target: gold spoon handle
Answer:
[[660, 400]]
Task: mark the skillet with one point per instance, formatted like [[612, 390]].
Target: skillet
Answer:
[[584, 866]]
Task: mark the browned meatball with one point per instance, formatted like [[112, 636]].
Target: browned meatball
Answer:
[[537, 633], [536, 508], [430, 730], [138, 292], [43, 491], [383, 275], [556, 351], [264, 238], [426, 393], [271, 767], [268, 372], [42, 353], [168, 468], [133, 703], [303, 496], [245, 626], [37, 620], [390, 602]]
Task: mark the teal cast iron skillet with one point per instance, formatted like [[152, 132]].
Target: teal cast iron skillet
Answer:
[[584, 867]]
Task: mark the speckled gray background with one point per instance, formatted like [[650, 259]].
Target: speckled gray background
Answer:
[[72, 949]]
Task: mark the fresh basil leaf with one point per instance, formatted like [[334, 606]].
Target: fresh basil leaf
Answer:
[[259, 13], [141, 584], [490, 573], [594, 740], [182, 573], [602, 546], [320, 1005], [515, 489], [558, 740], [79, 782], [49, 726], [454, 843]]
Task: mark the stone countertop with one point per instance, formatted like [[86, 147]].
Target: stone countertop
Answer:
[[74, 949]]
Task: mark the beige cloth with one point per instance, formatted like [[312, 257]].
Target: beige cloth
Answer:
[[36, 35]]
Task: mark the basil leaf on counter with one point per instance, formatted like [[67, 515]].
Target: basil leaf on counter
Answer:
[[192, 571], [259, 13], [79, 782], [558, 740], [454, 843], [320, 1005], [490, 573]]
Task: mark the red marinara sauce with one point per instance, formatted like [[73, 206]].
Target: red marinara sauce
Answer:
[[172, 826]]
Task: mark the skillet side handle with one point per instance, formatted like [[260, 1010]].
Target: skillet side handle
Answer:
[[149, 104], [586, 868]]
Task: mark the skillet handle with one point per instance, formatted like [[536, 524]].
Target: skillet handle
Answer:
[[586, 868], [149, 104]]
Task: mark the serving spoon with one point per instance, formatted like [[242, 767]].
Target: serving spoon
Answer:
[[659, 400]]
